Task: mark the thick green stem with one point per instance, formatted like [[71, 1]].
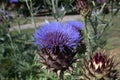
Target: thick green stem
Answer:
[[12, 46], [30, 8], [54, 7], [87, 36], [32, 15], [18, 22], [9, 36], [103, 6], [33, 20]]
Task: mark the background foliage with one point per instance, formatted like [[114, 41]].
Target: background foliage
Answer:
[[19, 56]]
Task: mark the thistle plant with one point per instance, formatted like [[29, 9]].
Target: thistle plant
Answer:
[[59, 8], [99, 67], [16, 55], [30, 4], [96, 21], [57, 42], [17, 58]]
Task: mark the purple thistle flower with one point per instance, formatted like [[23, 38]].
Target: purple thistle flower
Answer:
[[56, 34], [14, 1], [76, 24], [57, 42]]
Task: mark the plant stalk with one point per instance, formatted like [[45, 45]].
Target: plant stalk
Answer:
[[30, 8], [87, 35]]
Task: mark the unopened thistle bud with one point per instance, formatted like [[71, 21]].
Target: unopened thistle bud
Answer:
[[100, 67], [83, 7]]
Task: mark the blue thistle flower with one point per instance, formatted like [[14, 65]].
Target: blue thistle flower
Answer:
[[57, 41], [56, 34], [12, 1], [76, 24]]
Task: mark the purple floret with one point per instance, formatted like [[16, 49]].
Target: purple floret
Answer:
[[56, 34], [76, 25], [14, 1]]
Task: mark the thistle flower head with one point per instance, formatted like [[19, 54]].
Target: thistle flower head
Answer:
[[57, 40], [84, 7], [56, 34], [82, 4], [14, 1], [101, 67], [99, 62]]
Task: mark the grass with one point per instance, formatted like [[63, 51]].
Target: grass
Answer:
[[113, 40], [113, 34], [26, 31]]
